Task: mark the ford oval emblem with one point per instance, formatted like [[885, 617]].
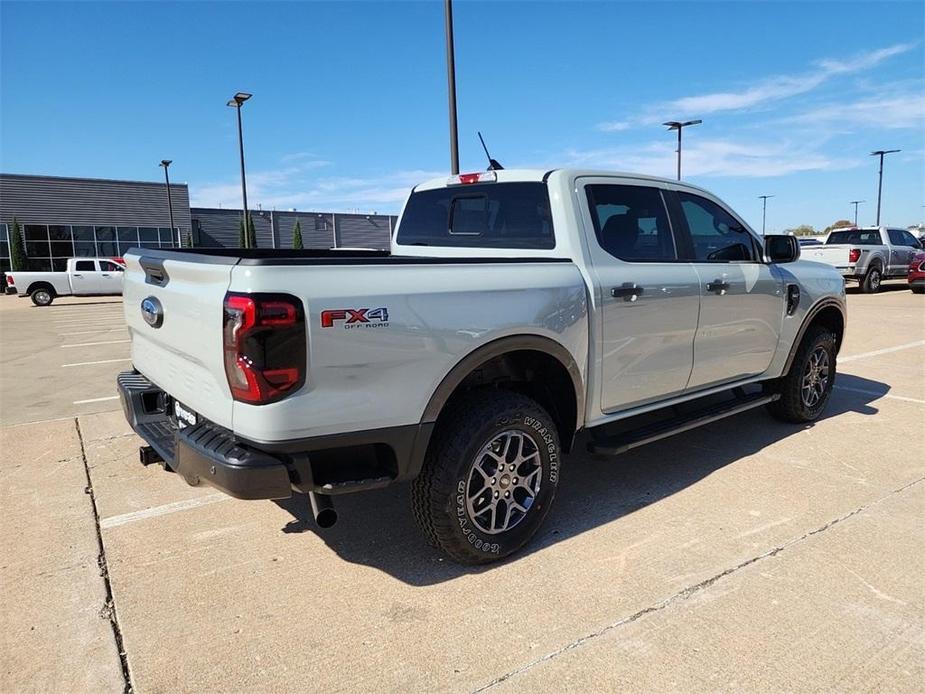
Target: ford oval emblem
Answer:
[[152, 312]]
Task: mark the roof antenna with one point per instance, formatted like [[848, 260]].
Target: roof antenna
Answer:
[[492, 164]]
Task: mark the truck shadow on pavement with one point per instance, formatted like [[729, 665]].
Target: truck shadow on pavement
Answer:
[[376, 528]]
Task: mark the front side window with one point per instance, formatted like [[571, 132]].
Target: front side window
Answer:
[[715, 234], [631, 222], [487, 215], [108, 266]]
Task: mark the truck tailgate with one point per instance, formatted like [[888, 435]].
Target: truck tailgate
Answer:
[[835, 255], [183, 355]]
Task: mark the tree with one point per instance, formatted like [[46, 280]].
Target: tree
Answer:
[[840, 224], [297, 235], [803, 230], [18, 258], [251, 240]]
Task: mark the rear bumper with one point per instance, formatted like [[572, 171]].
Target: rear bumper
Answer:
[[202, 453], [206, 452]]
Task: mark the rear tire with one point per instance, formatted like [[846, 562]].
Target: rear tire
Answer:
[[872, 280], [805, 389], [917, 290], [42, 296], [489, 477]]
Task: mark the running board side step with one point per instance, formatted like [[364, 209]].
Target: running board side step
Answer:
[[614, 445]]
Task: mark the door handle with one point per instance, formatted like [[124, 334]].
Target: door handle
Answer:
[[630, 291], [718, 286], [78, 275], [105, 274]]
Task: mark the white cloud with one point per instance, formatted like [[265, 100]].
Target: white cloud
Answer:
[[890, 113], [763, 92], [714, 158], [614, 126], [288, 188]]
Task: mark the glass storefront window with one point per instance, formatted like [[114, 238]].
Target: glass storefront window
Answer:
[[37, 249], [40, 264], [59, 232], [36, 232], [59, 264], [167, 238], [148, 235], [106, 241], [62, 249]]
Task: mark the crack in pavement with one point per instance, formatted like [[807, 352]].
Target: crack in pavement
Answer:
[[108, 609], [686, 593]]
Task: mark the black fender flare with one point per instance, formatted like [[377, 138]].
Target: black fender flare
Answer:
[[811, 315], [496, 348]]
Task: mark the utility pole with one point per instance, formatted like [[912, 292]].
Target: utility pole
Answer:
[[166, 164], [235, 102], [451, 84], [764, 210], [856, 203], [679, 126], [880, 153]]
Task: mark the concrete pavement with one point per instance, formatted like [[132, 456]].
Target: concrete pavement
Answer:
[[747, 555]]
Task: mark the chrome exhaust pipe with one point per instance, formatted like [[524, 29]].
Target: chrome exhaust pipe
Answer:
[[322, 509]]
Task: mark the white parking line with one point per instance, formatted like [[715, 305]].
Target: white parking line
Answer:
[[91, 344], [88, 363], [84, 402], [880, 395], [114, 521], [90, 332], [887, 350]]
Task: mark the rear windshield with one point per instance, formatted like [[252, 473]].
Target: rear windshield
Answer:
[[855, 237], [487, 215]]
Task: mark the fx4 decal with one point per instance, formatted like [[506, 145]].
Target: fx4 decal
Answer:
[[355, 317]]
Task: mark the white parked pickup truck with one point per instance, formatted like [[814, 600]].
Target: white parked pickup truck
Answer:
[[516, 308], [867, 255], [83, 277]]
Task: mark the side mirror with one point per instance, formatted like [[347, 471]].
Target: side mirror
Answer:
[[782, 249]]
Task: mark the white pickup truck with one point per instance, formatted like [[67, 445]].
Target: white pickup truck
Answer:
[[516, 309], [83, 277], [867, 255]]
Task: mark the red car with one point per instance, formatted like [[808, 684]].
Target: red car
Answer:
[[917, 273]]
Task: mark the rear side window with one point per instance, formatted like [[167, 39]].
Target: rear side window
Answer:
[[855, 237], [85, 266], [631, 222], [490, 215]]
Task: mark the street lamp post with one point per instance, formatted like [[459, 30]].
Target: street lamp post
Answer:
[[679, 126], [236, 102], [880, 153], [764, 210], [451, 84], [856, 203], [166, 164]]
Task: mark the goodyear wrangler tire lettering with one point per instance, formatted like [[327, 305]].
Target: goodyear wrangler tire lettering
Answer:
[[489, 477]]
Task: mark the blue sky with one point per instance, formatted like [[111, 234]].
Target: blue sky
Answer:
[[349, 106]]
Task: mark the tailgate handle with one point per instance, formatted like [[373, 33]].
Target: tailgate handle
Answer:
[[154, 271]]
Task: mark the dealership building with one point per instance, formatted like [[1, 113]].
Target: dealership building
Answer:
[[62, 217]]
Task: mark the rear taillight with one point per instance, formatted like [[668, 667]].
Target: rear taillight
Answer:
[[9, 279], [854, 255], [264, 341]]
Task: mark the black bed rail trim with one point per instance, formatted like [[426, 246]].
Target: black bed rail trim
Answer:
[[276, 256]]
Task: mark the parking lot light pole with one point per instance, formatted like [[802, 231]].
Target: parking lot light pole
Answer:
[[856, 203], [166, 164], [235, 102], [764, 210], [679, 126], [880, 153], [451, 84]]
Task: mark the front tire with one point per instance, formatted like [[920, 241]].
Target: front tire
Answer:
[[489, 477], [872, 280], [805, 389], [42, 297]]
